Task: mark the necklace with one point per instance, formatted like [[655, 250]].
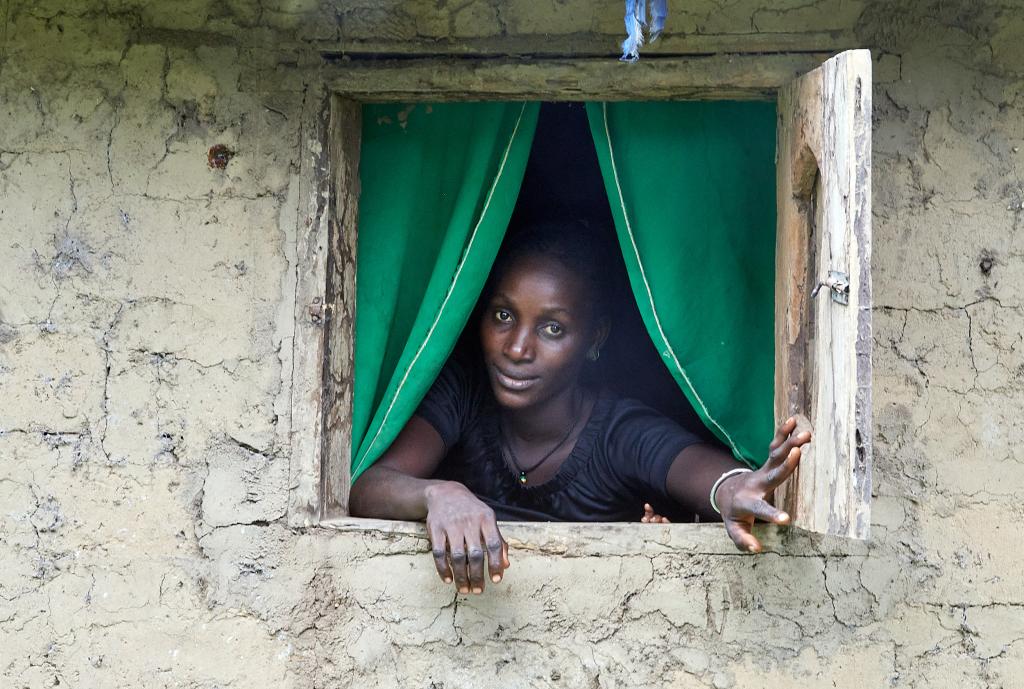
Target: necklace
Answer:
[[507, 446]]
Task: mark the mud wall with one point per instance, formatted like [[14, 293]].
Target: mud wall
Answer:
[[146, 325]]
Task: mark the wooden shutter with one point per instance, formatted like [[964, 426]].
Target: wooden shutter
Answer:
[[823, 291]]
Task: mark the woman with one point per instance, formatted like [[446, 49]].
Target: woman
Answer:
[[518, 435]]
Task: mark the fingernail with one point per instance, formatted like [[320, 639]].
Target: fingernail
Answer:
[[463, 589], [478, 590], [447, 580], [496, 578], [784, 517]]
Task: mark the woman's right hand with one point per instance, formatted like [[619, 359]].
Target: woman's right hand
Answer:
[[463, 530]]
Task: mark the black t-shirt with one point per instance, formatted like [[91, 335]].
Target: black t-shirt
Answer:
[[620, 460]]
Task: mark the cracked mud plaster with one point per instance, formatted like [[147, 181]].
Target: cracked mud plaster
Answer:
[[146, 305]]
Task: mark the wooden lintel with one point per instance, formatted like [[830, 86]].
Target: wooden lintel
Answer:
[[586, 45], [719, 77]]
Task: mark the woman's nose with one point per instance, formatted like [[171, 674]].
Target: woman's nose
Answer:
[[519, 345]]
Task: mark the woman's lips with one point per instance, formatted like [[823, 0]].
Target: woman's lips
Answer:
[[511, 382]]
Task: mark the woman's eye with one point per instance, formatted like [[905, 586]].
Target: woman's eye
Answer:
[[553, 329], [502, 316]]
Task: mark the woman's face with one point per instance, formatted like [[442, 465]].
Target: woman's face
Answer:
[[536, 331]]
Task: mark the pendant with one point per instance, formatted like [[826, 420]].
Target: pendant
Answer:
[[522, 478]]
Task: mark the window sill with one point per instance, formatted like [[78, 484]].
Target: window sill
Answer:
[[619, 539]]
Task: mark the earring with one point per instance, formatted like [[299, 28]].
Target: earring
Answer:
[[594, 354]]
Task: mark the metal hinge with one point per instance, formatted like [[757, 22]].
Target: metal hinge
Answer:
[[838, 284], [319, 310]]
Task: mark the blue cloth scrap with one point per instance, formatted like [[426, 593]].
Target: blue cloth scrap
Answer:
[[636, 22]]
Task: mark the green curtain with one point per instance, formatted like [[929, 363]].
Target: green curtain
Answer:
[[439, 183], [691, 185]]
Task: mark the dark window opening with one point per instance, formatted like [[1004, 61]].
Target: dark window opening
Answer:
[[563, 182]]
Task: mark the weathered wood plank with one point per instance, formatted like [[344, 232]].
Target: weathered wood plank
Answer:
[[823, 347], [346, 138], [709, 77], [604, 46], [308, 337]]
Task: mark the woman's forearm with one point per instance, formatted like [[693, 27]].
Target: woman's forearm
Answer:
[[396, 486], [693, 474], [385, 493]]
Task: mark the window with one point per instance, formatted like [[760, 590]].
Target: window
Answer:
[[823, 297]]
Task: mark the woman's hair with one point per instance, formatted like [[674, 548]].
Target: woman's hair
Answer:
[[583, 250]]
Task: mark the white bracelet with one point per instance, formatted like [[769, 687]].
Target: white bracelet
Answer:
[[721, 479]]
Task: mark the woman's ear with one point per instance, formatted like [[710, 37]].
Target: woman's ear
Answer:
[[604, 328]]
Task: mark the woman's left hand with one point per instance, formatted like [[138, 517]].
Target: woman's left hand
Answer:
[[743, 498]]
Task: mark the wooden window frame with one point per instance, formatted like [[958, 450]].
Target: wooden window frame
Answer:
[[323, 344]]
